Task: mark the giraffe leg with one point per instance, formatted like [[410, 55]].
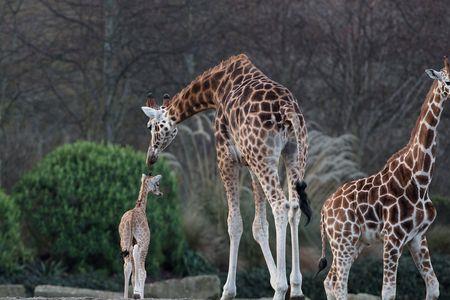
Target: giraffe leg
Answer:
[[133, 272], [230, 177], [261, 228], [391, 254], [330, 280], [127, 268], [270, 183], [419, 251], [293, 176], [137, 272], [336, 282], [143, 272]]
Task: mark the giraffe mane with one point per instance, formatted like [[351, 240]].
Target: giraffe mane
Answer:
[[209, 71], [416, 126]]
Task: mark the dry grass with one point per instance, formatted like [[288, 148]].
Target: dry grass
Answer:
[[331, 162]]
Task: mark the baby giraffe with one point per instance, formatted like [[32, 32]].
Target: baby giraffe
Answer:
[[135, 237]]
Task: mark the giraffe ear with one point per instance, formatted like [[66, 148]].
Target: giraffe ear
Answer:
[[151, 112], [156, 179], [434, 74]]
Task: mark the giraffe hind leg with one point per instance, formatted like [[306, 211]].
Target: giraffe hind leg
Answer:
[[421, 255], [260, 228], [297, 201], [267, 175], [344, 237], [230, 176]]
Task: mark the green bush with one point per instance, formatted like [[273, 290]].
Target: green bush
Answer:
[[72, 202], [195, 264], [11, 246], [442, 206]]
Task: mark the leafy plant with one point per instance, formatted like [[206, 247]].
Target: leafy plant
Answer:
[[72, 202], [12, 250]]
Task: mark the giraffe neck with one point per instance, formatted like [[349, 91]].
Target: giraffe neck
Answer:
[[423, 137], [142, 198], [210, 88]]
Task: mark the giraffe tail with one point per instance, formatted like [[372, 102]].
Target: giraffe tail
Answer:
[[304, 203], [298, 126], [323, 260], [126, 237]]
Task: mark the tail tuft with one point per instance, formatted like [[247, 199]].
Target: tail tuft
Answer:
[[304, 203], [322, 265], [125, 253]]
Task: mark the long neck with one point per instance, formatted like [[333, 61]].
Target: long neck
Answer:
[[423, 137], [208, 89], [142, 198]]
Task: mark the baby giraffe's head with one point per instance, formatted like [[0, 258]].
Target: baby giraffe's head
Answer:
[[151, 184]]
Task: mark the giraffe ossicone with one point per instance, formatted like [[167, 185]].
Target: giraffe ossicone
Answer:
[[392, 205], [257, 121], [134, 235]]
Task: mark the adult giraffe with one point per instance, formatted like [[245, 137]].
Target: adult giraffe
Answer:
[[257, 121], [392, 205]]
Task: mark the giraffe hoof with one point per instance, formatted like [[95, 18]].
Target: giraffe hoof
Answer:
[[297, 297], [136, 296]]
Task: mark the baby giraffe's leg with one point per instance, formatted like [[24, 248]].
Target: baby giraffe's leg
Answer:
[[143, 273], [137, 279], [127, 267]]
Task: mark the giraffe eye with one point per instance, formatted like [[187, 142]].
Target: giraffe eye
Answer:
[[149, 127]]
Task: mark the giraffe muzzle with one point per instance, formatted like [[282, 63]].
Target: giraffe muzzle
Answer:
[[152, 157]]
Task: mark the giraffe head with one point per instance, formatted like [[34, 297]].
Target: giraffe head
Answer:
[[443, 78], [151, 183], [162, 128]]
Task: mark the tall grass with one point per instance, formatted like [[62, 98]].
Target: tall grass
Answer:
[[332, 161]]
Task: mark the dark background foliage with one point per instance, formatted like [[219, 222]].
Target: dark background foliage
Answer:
[[72, 202]]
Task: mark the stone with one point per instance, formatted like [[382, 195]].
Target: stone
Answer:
[[362, 296], [306, 298], [12, 290], [194, 287], [52, 291]]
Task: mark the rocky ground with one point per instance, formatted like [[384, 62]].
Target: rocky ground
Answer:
[[196, 287]]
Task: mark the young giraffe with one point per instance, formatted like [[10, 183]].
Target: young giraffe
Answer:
[[392, 205], [257, 121], [135, 237]]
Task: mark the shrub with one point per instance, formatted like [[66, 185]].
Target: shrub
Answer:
[[72, 202], [11, 246], [442, 206]]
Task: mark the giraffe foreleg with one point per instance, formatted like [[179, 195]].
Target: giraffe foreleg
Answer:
[[391, 255], [421, 255]]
